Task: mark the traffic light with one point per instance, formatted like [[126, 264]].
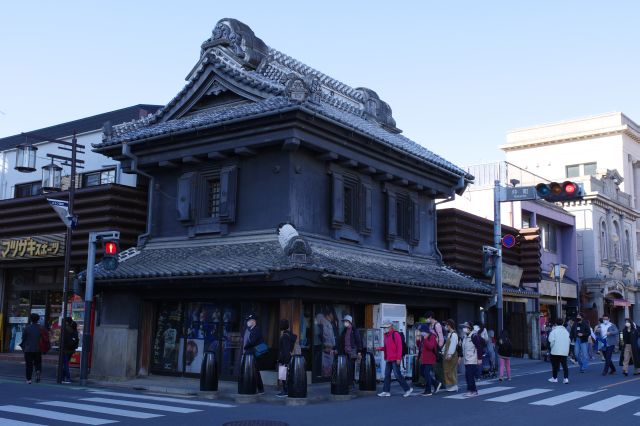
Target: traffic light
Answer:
[[555, 191], [488, 263], [110, 258]]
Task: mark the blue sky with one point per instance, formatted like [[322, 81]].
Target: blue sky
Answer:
[[457, 74]]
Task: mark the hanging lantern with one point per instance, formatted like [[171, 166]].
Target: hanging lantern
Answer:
[[26, 158], [51, 177]]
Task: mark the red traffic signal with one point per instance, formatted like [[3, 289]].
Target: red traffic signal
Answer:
[[110, 258], [558, 192], [110, 248]]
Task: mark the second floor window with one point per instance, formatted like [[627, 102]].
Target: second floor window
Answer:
[[102, 177], [213, 198], [28, 189], [549, 236], [585, 169], [403, 228]]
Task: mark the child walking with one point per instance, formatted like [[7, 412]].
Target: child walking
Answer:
[[504, 354]]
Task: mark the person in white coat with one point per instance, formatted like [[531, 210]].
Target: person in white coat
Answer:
[[559, 343]]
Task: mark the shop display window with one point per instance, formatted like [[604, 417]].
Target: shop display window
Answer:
[[164, 356], [327, 326]]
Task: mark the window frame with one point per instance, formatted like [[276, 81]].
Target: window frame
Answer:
[[566, 171], [359, 225], [100, 174], [549, 236], [31, 185]]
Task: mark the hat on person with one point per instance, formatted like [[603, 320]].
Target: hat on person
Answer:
[[251, 317], [348, 318], [424, 328], [386, 325], [467, 324]]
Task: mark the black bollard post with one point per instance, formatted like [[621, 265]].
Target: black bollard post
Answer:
[[247, 382], [367, 372], [209, 373], [340, 376], [297, 378], [416, 376]]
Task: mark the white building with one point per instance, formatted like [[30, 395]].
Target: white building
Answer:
[[603, 152]]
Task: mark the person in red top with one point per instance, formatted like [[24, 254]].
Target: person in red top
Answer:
[[393, 357], [428, 348]]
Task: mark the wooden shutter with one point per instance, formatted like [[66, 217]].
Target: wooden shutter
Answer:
[[392, 220], [337, 200], [184, 201], [415, 220], [367, 207], [228, 193]]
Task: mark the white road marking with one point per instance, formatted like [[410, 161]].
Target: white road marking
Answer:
[[142, 405], [610, 403], [519, 395], [54, 415], [560, 399], [10, 422], [102, 410], [481, 392], [162, 398]]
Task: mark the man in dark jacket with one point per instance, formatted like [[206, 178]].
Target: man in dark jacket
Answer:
[[350, 344], [31, 347], [253, 337], [285, 348], [580, 335], [71, 343]]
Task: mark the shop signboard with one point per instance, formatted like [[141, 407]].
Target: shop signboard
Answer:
[[34, 247]]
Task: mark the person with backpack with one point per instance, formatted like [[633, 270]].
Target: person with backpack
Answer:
[[428, 348], [350, 344], [253, 343], [285, 349], [450, 362], [472, 350], [559, 342], [392, 355], [436, 328], [34, 341], [71, 343], [504, 354]]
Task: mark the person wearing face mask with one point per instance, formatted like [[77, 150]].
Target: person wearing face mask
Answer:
[[472, 354], [350, 344], [580, 335], [609, 333], [392, 356], [630, 348], [428, 348], [451, 357], [251, 339], [559, 342]]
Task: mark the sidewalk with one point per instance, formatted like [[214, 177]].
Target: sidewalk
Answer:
[[13, 369]]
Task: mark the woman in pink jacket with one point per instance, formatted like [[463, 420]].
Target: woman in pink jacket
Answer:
[[393, 356], [428, 348]]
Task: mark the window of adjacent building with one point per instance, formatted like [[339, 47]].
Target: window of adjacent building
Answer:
[[585, 169], [604, 251], [102, 177], [213, 197], [403, 228], [526, 220], [28, 189], [616, 241], [627, 248], [351, 205], [549, 236]]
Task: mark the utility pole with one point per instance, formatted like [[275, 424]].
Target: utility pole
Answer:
[[497, 244]]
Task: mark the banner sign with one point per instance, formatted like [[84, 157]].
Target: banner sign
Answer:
[[35, 247], [62, 209]]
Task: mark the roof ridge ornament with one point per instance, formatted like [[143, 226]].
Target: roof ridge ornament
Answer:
[[302, 89], [239, 40]]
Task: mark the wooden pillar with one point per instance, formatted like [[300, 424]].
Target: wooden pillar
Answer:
[[291, 309], [368, 316], [147, 315]]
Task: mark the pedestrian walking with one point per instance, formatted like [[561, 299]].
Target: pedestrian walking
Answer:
[[559, 342], [71, 343], [31, 338], [451, 357], [253, 343], [569, 327], [437, 329], [285, 349], [481, 331], [630, 347], [428, 349], [504, 354], [610, 335], [472, 355], [350, 344], [393, 357], [580, 333]]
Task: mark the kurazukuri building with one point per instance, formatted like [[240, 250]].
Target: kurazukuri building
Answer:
[[255, 140]]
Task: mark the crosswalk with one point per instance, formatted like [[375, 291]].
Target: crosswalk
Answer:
[[596, 400], [98, 407]]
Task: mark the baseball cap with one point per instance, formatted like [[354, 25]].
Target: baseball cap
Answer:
[[348, 318]]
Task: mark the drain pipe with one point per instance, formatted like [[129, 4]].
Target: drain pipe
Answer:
[[126, 151], [435, 225]]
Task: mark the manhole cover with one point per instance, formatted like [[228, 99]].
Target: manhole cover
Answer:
[[256, 423]]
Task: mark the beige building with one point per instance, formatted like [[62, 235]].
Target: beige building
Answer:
[[602, 152]]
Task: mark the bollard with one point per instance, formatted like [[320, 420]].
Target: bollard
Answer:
[[297, 377], [209, 373], [248, 382], [340, 375], [415, 376], [367, 372]]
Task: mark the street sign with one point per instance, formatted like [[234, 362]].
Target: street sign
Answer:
[[509, 240], [521, 193]]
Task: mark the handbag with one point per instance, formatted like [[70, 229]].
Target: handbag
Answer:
[[260, 349], [282, 372]]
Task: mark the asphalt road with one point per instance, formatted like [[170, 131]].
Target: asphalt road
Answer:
[[529, 399]]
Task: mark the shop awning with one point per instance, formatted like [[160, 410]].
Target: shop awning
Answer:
[[621, 302]]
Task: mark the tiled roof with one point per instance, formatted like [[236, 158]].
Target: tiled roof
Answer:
[[359, 109], [249, 258], [83, 125]]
